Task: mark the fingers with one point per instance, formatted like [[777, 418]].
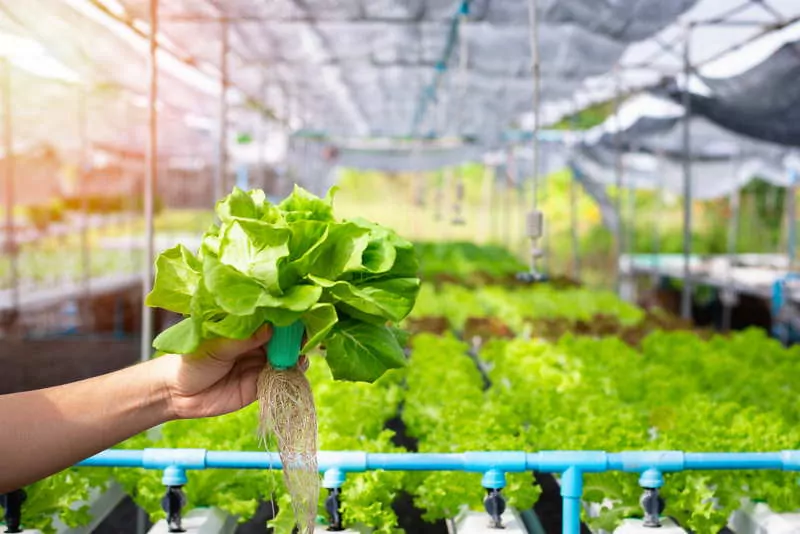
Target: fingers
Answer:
[[252, 360], [248, 383], [233, 349]]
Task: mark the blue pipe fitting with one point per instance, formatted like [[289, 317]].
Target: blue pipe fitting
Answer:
[[163, 458], [464, 8], [560, 461], [651, 479], [333, 478], [572, 483], [354, 462], [174, 476], [638, 461], [493, 479], [508, 461], [790, 460]]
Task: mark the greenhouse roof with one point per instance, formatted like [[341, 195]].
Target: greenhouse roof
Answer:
[[377, 68]]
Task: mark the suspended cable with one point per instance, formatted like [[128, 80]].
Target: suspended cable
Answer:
[[535, 219]]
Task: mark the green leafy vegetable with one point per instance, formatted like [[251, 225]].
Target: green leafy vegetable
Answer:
[[345, 280]]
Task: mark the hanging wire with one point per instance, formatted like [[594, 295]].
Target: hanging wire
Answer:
[[463, 58], [535, 220], [533, 19]]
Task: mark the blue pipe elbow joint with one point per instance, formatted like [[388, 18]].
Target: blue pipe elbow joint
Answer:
[[651, 479], [333, 478], [493, 479], [174, 476]]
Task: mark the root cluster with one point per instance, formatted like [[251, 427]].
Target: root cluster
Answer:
[[286, 410]]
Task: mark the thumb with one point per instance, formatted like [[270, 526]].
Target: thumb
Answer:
[[231, 349]]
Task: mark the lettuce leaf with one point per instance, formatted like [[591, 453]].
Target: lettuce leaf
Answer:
[[278, 264], [358, 351]]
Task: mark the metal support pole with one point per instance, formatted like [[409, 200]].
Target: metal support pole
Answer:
[[686, 295], [574, 230], [9, 168], [488, 195], [631, 237], [494, 228], [656, 223], [545, 188], [791, 218], [728, 292], [573, 209], [521, 177], [511, 171], [220, 187], [262, 140], [151, 175], [618, 181], [83, 193]]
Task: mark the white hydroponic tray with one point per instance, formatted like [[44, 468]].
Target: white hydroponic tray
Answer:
[[758, 518]]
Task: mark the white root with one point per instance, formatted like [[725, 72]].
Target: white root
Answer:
[[287, 411]]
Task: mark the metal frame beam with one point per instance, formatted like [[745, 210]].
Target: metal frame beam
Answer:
[[183, 58], [686, 294], [151, 174], [9, 172]]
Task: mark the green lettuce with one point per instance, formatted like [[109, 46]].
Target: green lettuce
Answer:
[[347, 281]]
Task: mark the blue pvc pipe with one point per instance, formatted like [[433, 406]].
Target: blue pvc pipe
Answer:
[[794, 177], [733, 460], [571, 464], [114, 458], [571, 491], [479, 462], [416, 462]]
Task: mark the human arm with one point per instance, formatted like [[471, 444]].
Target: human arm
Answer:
[[51, 429]]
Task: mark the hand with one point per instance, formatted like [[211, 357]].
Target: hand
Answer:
[[219, 378]]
